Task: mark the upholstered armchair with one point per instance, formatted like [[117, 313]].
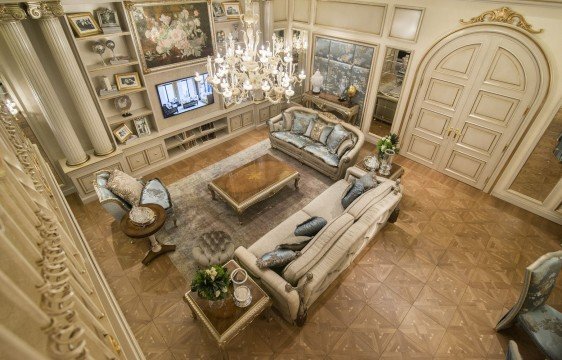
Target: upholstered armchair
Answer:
[[542, 322], [154, 192]]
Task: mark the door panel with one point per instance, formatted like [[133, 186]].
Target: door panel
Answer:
[[494, 108], [506, 71], [459, 63], [478, 139], [465, 167], [433, 123], [444, 94], [423, 149]]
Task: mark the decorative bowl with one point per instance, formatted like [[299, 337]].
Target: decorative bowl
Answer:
[[142, 216], [371, 163]]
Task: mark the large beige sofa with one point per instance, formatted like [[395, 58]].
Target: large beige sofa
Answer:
[[312, 152], [330, 252]]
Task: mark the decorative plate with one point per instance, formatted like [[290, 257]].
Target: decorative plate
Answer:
[[142, 216]]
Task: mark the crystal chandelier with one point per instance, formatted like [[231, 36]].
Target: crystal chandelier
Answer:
[[243, 73]]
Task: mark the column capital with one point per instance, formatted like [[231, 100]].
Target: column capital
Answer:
[[44, 9], [11, 12]]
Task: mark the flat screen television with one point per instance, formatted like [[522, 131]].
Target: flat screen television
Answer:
[[183, 95]]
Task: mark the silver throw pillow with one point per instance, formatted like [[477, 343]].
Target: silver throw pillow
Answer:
[[276, 258]]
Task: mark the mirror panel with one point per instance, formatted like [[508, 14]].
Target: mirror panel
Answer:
[[543, 169], [390, 90]]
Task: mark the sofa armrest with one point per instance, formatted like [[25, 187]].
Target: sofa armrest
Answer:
[[354, 172], [285, 297]]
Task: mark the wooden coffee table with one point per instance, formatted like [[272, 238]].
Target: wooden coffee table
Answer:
[[253, 182], [227, 321], [140, 232]]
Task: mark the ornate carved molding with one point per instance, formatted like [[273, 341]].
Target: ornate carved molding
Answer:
[[11, 12], [504, 15], [129, 5], [44, 9]]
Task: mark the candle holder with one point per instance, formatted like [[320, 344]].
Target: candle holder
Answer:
[[241, 294]]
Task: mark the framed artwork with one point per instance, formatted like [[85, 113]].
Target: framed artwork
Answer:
[[218, 11], [172, 33], [220, 36], [83, 24], [122, 133], [232, 9], [108, 20], [128, 81], [141, 125]]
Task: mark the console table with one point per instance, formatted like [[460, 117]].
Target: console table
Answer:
[[329, 102]]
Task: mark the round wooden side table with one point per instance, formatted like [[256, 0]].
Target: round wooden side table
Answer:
[[141, 232]]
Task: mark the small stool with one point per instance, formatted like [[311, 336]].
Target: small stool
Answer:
[[213, 248]]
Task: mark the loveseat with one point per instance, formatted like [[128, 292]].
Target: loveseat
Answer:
[[314, 150], [295, 288]]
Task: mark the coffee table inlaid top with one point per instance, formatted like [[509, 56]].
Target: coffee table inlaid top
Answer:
[[249, 180], [138, 232]]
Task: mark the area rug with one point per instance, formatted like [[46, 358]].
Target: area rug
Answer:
[[197, 213]]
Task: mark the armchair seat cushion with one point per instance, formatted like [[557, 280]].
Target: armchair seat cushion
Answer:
[[544, 324], [154, 192], [298, 140], [322, 152]]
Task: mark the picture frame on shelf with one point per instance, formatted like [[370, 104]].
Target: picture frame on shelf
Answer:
[[232, 9], [142, 127], [122, 133], [83, 24], [128, 81], [108, 20], [172, 33], [220, 37], [218, 12]]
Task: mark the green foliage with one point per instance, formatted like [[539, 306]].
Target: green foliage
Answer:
[[211, 283], [388, 142]]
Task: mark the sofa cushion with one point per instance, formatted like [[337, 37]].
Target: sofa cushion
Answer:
[[322, 152], [310, 227], [275, 126], [287, 120], [125, 186], [326, 204], [344, 147], [299, 141], [278, 235], [317, 130], [358, 207], [276, 258], [358, 187], [317, 247], [301, 121], [325, 133], [308, 131], [338, 135]]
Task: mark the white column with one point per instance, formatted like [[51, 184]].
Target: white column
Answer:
[[26, 57], [48, 13]]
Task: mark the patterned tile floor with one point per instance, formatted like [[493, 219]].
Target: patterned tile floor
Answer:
[[432, 285]]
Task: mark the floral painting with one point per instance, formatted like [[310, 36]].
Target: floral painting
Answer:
[[171, 33]]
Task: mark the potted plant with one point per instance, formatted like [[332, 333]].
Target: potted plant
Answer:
[[212, 284], [389, 142]]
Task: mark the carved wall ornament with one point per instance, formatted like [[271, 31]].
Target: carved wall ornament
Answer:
[[11, 12], [44, 9], [504, 15]]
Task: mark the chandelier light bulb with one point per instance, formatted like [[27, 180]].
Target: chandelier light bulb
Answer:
[[289, 92], [238, 51], [224, 85], [247, 86], [197, 77], [288, 59], [265, 86], [227, 94], [302, 75], [216, 80]]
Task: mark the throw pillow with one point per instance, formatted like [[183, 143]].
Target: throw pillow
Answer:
[[125, 186], [310, 127], [275, 126], [317, 130], [276, 258], [325, 133], [358, 187], [346, 145], [295, 243], [310, 227], [287, 121], [337, 136], [301, 121]]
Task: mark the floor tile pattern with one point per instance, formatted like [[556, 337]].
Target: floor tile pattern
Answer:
[[432, 285]]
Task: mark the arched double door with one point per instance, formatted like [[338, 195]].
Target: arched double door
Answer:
[[478, 90]]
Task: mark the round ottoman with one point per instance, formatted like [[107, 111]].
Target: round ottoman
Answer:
[[213, 248]]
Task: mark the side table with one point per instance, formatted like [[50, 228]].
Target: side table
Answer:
[[396, 171], [232, 319], [141, 232]]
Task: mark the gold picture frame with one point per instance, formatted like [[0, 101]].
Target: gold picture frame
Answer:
[[232, 9], [83, 24], [122, 133], [128, 81]]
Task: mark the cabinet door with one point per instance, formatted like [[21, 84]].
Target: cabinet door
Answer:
[[274, 110], [247, 118], [86, 182], [155, 154], [264, 114], [137, 161], [235, 122]]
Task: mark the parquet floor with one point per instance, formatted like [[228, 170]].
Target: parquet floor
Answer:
[[431, 286]]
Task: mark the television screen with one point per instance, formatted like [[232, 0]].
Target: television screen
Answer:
[[184, 95]]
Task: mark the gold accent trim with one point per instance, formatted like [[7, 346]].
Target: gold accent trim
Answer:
[[11, 12], [113, 149], [504, 15], [114, 343], [78, 164], [44, 9]]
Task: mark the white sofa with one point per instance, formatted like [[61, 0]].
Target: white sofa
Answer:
[[330, 251]]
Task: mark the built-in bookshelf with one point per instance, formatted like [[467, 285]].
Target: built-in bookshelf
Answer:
[[183, 141]]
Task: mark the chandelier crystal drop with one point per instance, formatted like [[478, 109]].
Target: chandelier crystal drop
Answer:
[[245, 72]]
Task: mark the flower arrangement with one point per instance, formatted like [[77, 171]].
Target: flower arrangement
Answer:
[[388, 142], [211, 283]]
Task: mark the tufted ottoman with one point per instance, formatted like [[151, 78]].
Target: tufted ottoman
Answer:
[[213, 248]]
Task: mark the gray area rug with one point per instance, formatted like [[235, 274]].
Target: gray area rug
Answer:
[[197, 213]]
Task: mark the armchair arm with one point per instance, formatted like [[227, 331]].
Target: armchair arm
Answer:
[[354, 172], [284, 296], [276, 118]]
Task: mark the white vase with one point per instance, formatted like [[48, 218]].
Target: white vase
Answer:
[[317, 80]]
